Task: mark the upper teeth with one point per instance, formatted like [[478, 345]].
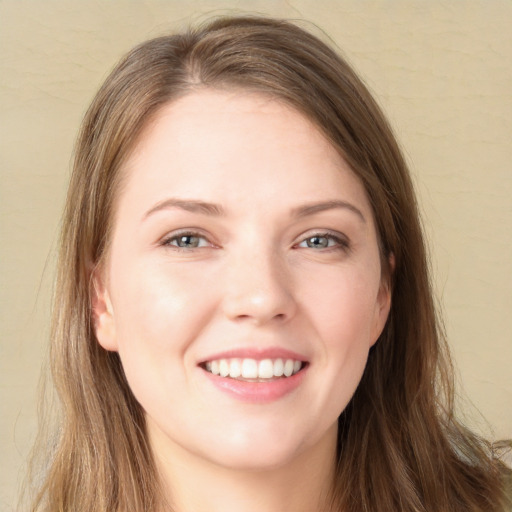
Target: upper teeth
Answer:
[[253, 369]]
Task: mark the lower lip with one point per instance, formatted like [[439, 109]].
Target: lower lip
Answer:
[[257, 392]]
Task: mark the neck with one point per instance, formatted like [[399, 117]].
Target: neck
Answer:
[[303, 484]]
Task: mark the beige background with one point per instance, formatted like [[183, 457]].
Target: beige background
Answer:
[[441, 70]]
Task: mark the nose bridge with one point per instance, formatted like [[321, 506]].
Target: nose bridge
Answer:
[[258, 286]]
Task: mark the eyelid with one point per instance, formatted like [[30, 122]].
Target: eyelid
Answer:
[[341, 240], [192, 232]]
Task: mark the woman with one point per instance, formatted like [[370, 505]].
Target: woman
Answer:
[[244, 317]]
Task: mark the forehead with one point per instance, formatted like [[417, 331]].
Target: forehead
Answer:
[[250, 120], [224, 145]]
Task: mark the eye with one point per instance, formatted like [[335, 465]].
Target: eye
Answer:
[[186, 240], [324, 241]]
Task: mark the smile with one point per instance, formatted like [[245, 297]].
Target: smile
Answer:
[[253, 370]]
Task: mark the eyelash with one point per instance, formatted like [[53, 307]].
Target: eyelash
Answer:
[[340, 243], [167, 242]]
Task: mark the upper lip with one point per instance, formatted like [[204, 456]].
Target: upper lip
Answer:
[[257, 353]]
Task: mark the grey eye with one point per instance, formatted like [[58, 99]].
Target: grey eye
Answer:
[[187, 241], [321, 241], [318, 242]]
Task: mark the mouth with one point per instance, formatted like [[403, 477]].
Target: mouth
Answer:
[[254, 370]]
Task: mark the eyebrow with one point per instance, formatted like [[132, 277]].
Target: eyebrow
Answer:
[[311, 209], [189, 205], [212, 209]]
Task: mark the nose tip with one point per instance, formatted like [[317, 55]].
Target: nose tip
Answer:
[[259, 308], [258, 293]]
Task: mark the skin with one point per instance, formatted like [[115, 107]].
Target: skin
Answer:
[[257, 278]]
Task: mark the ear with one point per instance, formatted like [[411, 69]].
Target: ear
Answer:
[[102, 312], [383, 303]]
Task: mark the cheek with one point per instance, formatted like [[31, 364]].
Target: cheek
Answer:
[[343, 303], [342, 312], [159, 311]]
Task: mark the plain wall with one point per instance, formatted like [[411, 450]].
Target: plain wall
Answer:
[[441, 70]]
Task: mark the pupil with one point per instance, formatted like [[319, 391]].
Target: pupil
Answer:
[[318, 241], [187, 241]]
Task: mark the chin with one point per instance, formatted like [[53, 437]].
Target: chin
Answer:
[[255, 459], [264, 451]]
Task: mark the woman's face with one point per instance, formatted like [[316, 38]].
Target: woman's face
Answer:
[[243, 287]]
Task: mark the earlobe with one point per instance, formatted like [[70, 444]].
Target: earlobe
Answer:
[[102, 313]]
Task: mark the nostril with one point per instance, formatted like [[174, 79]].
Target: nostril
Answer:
[[242, 317], [260, 318]]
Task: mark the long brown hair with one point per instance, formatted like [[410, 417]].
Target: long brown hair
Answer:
[[400, 447]]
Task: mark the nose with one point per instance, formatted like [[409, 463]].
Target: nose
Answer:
[[258, 290]]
